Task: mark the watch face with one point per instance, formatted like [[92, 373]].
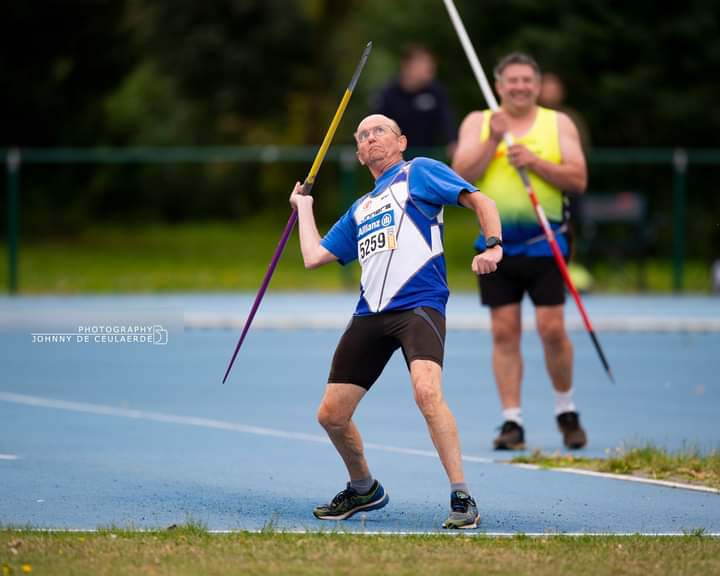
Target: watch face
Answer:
[[493, 241]]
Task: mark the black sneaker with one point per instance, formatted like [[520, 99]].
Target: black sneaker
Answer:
[[511, 437], [348, 502], [464, 513], [574, 436]]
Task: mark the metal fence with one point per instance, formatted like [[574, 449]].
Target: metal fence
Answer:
[[678, 160]]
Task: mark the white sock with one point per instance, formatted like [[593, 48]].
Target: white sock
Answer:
[[564, 402], [513, 414]]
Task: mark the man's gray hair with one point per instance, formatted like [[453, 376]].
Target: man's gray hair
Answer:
[[516, 58]]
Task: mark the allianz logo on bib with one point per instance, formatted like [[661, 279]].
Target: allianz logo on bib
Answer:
[[382, 220], [368, 227]]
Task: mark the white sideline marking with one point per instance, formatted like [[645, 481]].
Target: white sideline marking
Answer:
[[462, 533], [627, 478], [105, 410], [469, 322], [8, 457], [438, 533]]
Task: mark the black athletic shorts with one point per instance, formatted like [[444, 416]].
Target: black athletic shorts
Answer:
[[369, 342], [540, 277]]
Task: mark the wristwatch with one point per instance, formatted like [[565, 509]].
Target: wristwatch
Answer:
[[492, 241]]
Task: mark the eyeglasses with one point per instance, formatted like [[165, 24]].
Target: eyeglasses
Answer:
[[377, 131]]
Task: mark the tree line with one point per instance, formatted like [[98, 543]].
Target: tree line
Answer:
[[79, 73]]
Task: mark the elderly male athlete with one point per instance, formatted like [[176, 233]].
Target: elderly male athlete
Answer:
[[396, 232]]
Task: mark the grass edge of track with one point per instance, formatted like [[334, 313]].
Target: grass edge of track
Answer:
[[192, 548], [689, 465]]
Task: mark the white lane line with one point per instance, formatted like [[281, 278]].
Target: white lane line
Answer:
[[105, 410], [625, 477], [469, 322], [476, 533], [349, 532], [8, 457]]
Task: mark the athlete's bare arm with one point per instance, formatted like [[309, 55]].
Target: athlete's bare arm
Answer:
[[489, 220], [313, 253]]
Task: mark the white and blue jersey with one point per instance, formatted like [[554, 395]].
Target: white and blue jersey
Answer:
[[396, 232]]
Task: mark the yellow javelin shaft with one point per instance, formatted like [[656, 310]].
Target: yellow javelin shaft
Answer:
[[320, 156]]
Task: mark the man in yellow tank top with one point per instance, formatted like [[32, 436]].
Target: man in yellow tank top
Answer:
[[547, 145]]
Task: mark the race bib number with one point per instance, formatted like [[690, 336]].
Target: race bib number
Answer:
[[376, 234]]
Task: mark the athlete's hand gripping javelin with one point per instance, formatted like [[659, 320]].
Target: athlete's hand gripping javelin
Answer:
[[314, 254], [518, 155], [299, 196]]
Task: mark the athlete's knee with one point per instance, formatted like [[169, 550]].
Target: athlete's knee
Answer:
[[331, 417], [552, 332], [506, 336], [429, 398]]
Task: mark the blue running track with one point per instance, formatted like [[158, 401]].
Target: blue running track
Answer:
[[97, 432]]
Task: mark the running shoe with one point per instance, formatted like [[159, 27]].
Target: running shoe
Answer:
[[349, 502], [511, 437], [574, 436], [464, 513]]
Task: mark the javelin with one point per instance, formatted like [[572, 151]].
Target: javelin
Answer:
[[539, 212], [307, 187]]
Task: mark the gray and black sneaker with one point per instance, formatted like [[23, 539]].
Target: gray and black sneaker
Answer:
[[574, 436], [348, 502], [511, 437], [464, 513]]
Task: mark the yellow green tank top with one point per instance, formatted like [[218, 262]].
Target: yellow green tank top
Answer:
[[502, 183]]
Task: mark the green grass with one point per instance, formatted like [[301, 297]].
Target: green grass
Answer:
[[223, 257], [208, 257], [687, 465], [191, 551]]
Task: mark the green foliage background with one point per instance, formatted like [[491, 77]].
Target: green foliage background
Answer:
[[121, 73]]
